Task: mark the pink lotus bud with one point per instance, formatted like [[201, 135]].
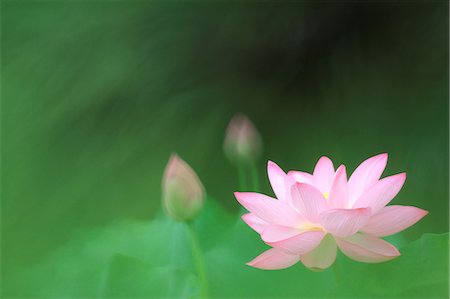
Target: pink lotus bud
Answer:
[[183, 193], [242, 140]]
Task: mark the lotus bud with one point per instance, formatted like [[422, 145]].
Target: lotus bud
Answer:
[[242, 141], [183, 193]]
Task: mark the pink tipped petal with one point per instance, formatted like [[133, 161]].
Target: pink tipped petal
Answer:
[[323, 174], [277, 179], [268, 209], [274, 259], [344, 222], [380, 194], [365, 175], [368, 249], [338, 197], [254, 222], [301, 177], [393, 219], [275, 233], [289, 183], [308, 201], [323, 256], [301, 243]]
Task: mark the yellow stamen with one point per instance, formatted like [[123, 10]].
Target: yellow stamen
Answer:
[[326, 195], [307, 226]]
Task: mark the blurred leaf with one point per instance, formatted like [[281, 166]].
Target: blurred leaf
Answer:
[[421, 271], [213, 223], [78, 269], [131, 277], [154, 259], [231, 277]]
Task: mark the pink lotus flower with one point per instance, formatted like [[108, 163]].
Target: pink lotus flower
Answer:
[[317, 213]]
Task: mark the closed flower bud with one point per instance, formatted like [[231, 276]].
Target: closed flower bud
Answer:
[[242, 141], [183, 193]]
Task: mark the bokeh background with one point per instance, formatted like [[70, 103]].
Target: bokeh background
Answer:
[[96, 95]]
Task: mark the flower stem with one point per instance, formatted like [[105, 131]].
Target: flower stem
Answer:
[[198, 260], [255, 177], [242, 177], [337, 273]]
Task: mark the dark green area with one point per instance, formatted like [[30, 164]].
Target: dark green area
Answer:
[[96, 95]]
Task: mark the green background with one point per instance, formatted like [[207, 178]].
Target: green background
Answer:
[[96, 95]]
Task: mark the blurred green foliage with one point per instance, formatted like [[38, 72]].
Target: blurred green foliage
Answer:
[[142, 259], [96, 95]]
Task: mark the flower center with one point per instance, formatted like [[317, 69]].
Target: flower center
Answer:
[[308, 226], [326, 195]]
